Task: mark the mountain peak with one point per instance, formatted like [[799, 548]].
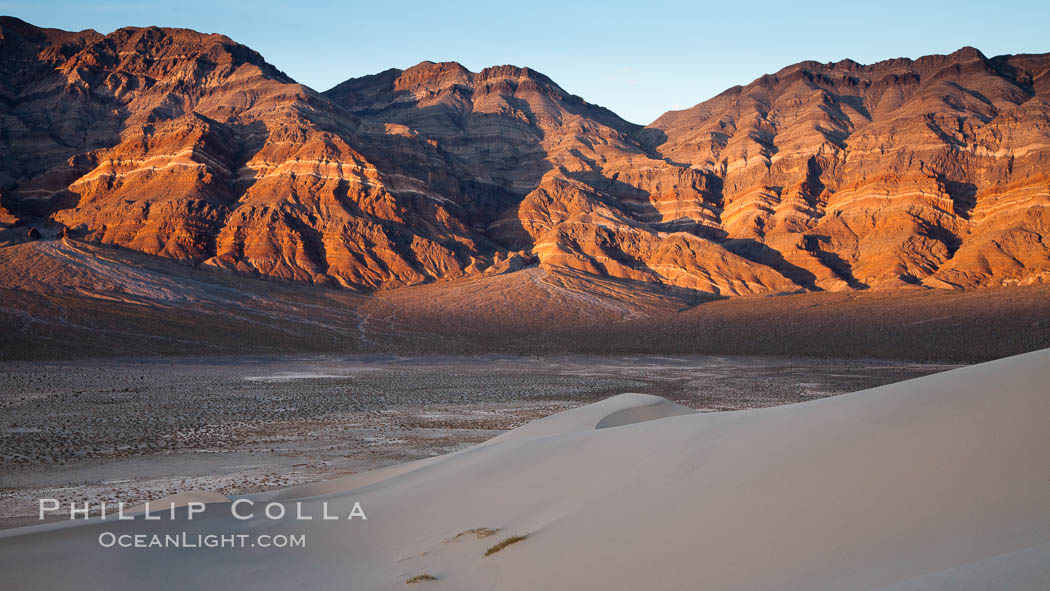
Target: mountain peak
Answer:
[[451, 88], [433, 75], [968, 53], [429, 68]]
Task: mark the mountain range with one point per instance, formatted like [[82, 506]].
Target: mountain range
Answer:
[[838, 176]]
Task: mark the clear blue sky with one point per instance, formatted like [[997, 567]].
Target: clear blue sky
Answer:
[[639, 60]]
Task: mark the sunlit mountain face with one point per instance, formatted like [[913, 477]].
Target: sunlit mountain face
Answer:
[[820, 177]]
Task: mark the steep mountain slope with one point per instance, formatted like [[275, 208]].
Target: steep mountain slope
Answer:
[[192, 147], [570, 185], [820, 177], [930, 171]]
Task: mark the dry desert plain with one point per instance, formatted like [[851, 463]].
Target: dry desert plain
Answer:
[[138, 430]]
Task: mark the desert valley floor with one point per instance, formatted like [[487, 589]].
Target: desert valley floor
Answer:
[[140, 429]]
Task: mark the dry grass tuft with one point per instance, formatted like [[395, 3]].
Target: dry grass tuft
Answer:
[[479, 532], [503, 544], [421, 578]]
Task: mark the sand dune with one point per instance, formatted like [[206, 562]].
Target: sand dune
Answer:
[[181, 500], [934, 483], [619, 410]]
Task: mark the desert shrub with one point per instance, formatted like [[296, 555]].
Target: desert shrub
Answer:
[[504, 543]]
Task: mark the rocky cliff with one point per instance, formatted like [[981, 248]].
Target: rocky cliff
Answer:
[[192, 147], [931, 171], [819, 177]]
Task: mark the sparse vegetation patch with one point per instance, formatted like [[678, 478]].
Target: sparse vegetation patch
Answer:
[[479, 532], [504, 543]]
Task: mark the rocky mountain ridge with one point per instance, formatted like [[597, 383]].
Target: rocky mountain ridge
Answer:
[[929, 172]]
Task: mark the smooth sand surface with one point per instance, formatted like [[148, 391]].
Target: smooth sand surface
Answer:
[[180, 500], [619, 410], [935, 483]]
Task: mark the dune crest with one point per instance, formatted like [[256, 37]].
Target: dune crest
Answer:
[[622, 409]]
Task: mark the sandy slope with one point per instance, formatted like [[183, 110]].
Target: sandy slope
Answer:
[[934, 483]]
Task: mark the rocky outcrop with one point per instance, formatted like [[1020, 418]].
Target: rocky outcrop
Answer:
[[564, 180], [192, 147], [929, 171], [820, 177]]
